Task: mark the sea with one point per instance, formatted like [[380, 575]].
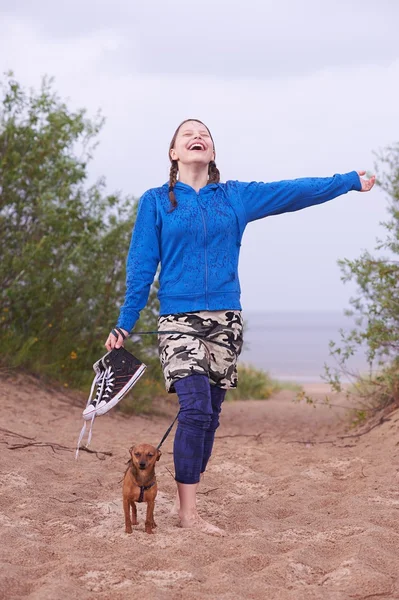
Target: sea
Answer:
[[294, 346]]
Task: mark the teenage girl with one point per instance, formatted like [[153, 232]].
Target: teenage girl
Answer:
[[193, 226]]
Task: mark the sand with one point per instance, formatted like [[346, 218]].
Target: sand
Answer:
[[309, 514]]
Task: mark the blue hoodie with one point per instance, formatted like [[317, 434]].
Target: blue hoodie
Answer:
[[198, 243]]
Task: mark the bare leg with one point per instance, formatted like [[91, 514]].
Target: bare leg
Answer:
[[189, 517], [176, 506]]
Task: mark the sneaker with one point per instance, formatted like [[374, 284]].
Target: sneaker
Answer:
[[116, 373]]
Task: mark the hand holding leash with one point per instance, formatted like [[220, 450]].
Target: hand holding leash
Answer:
[[116, 338]]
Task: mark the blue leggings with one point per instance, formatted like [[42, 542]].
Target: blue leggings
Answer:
[[200, 406]]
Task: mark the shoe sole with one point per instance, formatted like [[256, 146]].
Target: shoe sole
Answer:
[[114, 401]]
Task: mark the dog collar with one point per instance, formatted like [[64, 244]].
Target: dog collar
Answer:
[[144, 488]]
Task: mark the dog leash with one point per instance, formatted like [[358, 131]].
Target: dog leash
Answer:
[[167, 432], [201, 338]]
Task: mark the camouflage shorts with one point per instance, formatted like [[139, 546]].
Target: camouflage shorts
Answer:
[[213, 353]]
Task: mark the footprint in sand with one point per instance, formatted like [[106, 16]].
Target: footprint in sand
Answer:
[[164, 579], [385, 501], [315, 473], [336, 577], [321, 536], [301, 574], [229, 467], [100, 581], [13, 480]]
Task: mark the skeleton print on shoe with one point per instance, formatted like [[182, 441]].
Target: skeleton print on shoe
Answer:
[[205, 343]]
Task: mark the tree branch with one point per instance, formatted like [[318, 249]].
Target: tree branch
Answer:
[[99, 454]]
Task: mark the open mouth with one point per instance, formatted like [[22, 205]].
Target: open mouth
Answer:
[[197, 146]]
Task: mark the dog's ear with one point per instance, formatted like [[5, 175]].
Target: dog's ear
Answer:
[[159, 454], [131, 449]]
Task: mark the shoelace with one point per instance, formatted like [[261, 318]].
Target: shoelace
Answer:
[[99, 380], [109, 378]]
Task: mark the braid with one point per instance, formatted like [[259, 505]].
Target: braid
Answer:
[[172, 182], [213, 173]]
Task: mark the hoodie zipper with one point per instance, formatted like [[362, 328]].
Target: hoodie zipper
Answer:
[[206, 251]]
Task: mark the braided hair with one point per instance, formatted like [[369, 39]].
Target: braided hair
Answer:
[[174, 169], [213, 171]]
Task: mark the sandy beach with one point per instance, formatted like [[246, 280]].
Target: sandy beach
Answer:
[[309, 513]]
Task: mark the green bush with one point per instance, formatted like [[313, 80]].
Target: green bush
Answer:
[[253, 384], [64, 242], [376, 306], [379, 391]]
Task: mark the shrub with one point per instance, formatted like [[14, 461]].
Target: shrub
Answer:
[[376, 306], [253, 384], [64, 243]]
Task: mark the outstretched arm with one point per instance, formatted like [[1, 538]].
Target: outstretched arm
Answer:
[[264, 199]]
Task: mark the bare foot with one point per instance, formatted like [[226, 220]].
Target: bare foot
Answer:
[[195, 522]]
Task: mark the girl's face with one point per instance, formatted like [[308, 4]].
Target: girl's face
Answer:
[[193, 144]]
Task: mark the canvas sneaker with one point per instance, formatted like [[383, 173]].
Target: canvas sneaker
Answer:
[[116, 373]]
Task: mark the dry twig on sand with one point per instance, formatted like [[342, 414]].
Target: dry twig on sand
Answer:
[[14, 434], [100, 454], [340, 437]]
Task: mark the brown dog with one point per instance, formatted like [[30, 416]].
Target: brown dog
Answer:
[[140, 484]]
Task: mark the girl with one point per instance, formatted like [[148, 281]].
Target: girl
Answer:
[[193, 226]]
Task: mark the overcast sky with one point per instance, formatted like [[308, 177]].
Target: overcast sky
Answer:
[[289, 89]]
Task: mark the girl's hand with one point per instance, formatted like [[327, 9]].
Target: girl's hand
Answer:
[[367, 184], [116, 341]]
